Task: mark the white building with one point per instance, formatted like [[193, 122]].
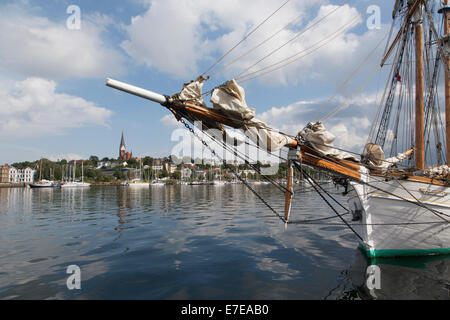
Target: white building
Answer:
[[21, 175], [26, 175], [157, 165], [13, 175], [186, 173]]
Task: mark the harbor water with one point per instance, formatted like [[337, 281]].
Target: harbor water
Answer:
[[193, 242]]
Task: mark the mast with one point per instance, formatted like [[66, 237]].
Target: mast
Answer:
[[447, 81], [40, 170], [420, 135]]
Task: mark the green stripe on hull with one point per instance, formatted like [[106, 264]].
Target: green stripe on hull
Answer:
[[404, 252]]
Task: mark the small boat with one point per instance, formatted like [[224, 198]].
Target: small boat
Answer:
[[43, 184], [136, 183], [158, 184], [219, 183], [75, 184]]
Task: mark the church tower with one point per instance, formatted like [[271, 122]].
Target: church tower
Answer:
[[122, 149], [123, 154]]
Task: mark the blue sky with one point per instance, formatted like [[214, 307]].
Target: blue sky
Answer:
[[53, 98]]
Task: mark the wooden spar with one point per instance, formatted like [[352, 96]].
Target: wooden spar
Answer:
[[345, 163], [329, 166], [420, 141], [447, 83], [290, 191]]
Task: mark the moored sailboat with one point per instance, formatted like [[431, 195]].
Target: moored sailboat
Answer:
[[42, 183], [74, 183]]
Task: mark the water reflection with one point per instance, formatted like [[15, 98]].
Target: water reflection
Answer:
[[193, 242], [406, 278]]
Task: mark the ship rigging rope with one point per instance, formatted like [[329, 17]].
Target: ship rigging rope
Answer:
[[236, 152], [285, 62], [290, 40], [307, 221], [261, 43], [349, 78], [246, 37]]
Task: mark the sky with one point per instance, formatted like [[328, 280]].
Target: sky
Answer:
[[54, 102]]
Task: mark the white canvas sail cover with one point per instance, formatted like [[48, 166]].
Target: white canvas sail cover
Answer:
[[322, 140], [192, 92], [229, 99], [443, 171], [374, 157], [265, 137]]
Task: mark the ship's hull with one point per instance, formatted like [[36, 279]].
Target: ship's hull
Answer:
[[75, 185], [38, 186], [43, 184], [391, 226]]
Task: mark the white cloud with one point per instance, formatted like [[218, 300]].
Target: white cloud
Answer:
[[68, 157], [32, 45], [169, 120], [350, 126], [34, 108], [198, 32]]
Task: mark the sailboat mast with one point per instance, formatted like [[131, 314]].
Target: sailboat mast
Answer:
[[420, 141], [447, 83], [40, 170]]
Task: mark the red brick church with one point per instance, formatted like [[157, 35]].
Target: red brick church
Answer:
[[123, 154]]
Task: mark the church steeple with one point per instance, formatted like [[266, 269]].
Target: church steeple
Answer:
[[122, 148], [122, 143]]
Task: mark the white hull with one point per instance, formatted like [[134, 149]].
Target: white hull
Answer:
[[391, 226], [138, 184], [75, 185], [43, 184]]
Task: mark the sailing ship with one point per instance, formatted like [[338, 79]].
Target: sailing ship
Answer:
[[74, 183], [400, 205], [42, 183]]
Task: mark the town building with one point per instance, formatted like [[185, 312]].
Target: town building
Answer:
[[158, 165], [186, 173], [10, 174], [13, 175], [25, 175], [4, 174], [170, 167]]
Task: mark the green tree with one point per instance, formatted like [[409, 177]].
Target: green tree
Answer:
[[147, 161], [176, 175], [118, 175], [94, 160]]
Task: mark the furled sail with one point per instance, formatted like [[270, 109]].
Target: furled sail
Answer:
[[191, 92], [442, 171], [229, 100], [374, 157], [321, 140]]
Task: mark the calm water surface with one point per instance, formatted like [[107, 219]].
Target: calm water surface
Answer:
[[190, 242]]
